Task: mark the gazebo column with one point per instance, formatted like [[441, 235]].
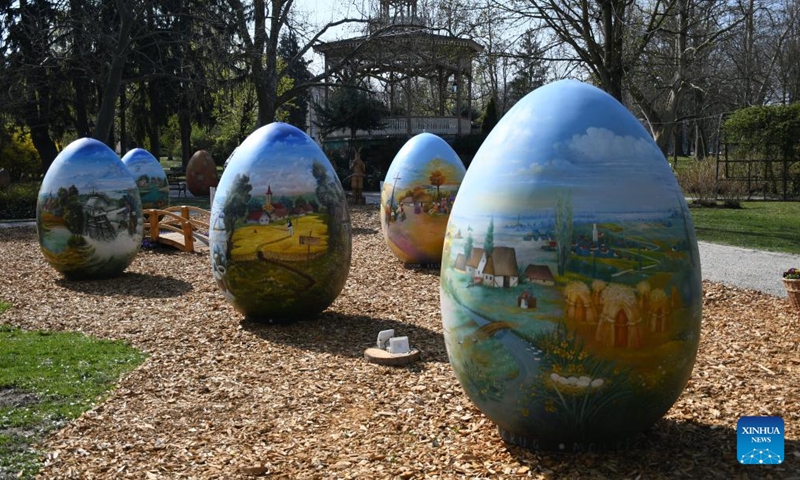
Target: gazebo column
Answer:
[[408, 106], [458, 96], [469, 97], [391, 94], [442, 91], [326, 78]]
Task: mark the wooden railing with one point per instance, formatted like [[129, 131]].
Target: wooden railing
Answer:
[[399, 126], [175, 226]]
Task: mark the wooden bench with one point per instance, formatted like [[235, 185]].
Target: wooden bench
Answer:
[[177, 181]]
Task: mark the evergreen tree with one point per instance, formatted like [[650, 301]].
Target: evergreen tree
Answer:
[[490, 116], [297, 71], [531, 69], [488, 245], [236, 206], [563, 231], [353, 108]]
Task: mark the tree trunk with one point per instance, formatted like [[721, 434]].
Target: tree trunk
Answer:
[[185, 126], [152, 120], [40, 136], [105, 116]]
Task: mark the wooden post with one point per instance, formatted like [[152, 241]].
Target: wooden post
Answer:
[[187, 236], [188, 239], [153, 225]]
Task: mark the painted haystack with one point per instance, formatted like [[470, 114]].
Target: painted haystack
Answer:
[[658, 310], [579, 303], [620, 321]]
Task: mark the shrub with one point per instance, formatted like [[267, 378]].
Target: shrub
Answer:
[[19, 201], [699, 181], [17, 153], [732, 193]]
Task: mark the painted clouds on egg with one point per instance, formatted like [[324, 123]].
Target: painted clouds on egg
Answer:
[[572, 301], [417, 196], [88, 213], [280, 230], [149, 176]]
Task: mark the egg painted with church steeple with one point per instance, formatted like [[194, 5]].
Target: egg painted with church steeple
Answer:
[[279, 235], [416, 198], [570, 279]]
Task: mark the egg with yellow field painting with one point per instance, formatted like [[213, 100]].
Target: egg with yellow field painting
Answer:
[[416, 198], [571, 299], [279, 236]]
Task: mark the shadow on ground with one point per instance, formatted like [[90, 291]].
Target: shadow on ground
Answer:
[[347, 335], [132, 284], [670, 449]]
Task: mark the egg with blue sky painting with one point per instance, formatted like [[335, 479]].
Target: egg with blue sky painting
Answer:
[[571, 301], [88, 212], [280, 236], [416, 198], [150, 178]]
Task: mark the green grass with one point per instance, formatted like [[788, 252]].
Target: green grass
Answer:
[[773, 226], [47, 379], [200, 202]]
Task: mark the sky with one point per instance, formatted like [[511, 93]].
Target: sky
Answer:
[[322, 12], [568, 136]]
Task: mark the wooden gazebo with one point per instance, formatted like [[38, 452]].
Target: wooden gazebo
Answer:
[[399, 48]]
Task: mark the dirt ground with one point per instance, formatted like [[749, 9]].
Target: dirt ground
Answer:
[[221, 397]]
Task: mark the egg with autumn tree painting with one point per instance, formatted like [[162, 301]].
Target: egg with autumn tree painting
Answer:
[[280, 236], [416, 198], [150, 178], [571, 300], [88, 213]]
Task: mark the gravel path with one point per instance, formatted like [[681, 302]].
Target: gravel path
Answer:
[[746, 268]]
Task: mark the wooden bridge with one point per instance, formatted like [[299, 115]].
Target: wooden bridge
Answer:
[[183, 227]]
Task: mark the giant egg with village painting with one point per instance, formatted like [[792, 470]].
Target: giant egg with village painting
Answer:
[[416, 198], [571, 301], [150, 178], [279, 234], [88, 213]]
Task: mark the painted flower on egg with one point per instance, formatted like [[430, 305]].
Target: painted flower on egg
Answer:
[[571, 299]]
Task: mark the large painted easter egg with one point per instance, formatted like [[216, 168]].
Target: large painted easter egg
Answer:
[[571, 301], [88, 213], [201, 173], [149, 176], [417, 196], [280, 230]]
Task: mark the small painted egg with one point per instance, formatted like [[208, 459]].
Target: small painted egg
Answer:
[[416, 198], [201, 173], [149, 176]]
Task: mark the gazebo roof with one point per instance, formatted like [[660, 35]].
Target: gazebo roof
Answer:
[[404, 48]]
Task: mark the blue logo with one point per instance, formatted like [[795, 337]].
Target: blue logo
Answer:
[[759, 440]]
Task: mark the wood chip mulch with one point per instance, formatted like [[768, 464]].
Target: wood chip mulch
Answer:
[[220, 397]]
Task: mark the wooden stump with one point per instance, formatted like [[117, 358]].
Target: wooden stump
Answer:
[[382, 357]]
